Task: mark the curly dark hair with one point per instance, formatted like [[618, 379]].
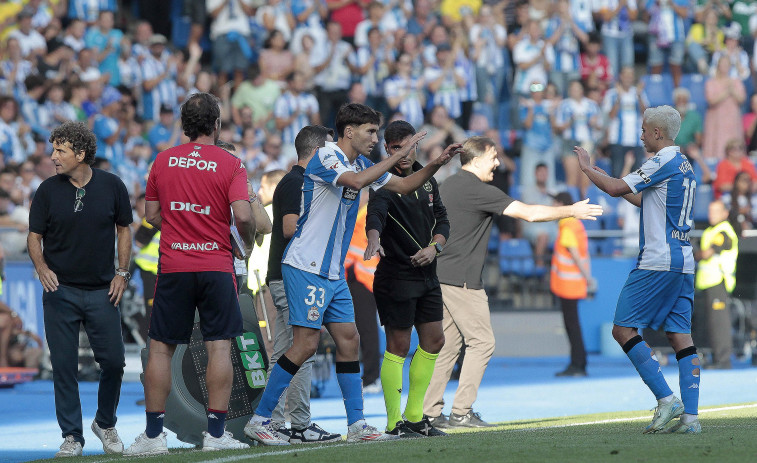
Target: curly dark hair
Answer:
[[199, 114], [355, 114], [78, 136]]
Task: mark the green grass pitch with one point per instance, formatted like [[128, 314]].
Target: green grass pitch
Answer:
[[729, 435]]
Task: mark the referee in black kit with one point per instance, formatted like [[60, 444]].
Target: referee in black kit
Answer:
[[408, 231]]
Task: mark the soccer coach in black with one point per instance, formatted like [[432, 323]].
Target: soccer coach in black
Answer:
[[78, 215], [408, 231]]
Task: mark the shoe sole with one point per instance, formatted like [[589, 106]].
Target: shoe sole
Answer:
[[376, 439], [262, 441], [324, 441], [147, 454], [213, 449]]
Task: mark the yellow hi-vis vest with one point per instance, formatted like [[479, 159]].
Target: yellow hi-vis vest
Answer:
[[259, 259], [147, 258], [722, 266]]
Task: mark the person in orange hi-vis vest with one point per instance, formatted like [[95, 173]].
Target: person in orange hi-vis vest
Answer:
[[570, 280], [360, 281]]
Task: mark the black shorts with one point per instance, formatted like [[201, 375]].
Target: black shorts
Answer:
[[404, 303], [214, 294]]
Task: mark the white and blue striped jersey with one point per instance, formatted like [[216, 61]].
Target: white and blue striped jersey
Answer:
[[327, 214], [582, 113], [411, 91], [164, 92], [624, 129], [668, 188], [287, 104], [88, 10], [448, 94]]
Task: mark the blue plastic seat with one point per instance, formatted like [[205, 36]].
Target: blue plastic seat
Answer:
[[694, 83], [517, 258], [702, 199], [659, 89]]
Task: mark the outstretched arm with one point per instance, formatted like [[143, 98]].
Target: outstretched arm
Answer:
[[406, 185]]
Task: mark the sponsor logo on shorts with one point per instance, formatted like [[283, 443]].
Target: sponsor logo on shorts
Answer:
[[187, 163], [189, 207], [313, 314], [209, 246]]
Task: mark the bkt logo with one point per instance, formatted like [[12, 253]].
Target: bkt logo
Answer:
[[196, 208]]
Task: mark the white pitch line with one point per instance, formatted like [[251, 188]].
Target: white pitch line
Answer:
[[639, 418], [319, 447]]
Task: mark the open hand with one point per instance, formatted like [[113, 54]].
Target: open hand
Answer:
[[409, 145], [584, 159], [449, 153], [584, 211], [117, 288]]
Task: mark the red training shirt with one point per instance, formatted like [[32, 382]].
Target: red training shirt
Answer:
[[195, 185]]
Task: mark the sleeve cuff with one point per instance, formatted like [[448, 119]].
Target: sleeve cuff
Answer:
[[630, 185]]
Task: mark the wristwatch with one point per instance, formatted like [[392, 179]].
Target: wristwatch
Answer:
[[439, 248], [123, 273]]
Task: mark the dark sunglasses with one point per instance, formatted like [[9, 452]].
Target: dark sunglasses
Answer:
[[79, 204]]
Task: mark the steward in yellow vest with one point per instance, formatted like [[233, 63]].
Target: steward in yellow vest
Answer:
[[716, 278]]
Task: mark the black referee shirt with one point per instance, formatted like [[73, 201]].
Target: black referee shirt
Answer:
[[407, 224]]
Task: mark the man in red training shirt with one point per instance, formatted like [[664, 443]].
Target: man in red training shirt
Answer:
[[188, 195]]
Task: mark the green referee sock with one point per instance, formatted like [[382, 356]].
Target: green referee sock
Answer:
[[391, 382], [421, 369]]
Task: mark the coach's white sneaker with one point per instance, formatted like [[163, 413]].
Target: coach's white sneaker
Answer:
[[145, 446], [69, 448], [225, 442], [360, 431], [109, 437], [261, 430], [663, 414]]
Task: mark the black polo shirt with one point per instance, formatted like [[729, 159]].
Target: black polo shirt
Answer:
[[80, 246]]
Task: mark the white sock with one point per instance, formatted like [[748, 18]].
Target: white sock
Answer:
[[666, 400], [258, 419], [687, 418], [357, 424]]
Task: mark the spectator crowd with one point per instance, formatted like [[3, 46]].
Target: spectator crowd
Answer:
[[537, 76]]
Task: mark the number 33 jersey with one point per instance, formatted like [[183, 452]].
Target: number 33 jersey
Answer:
[[327, 213], [668, 187]]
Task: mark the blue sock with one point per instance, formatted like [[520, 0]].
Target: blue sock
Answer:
[[154, 424], [646, 364], [688, 377], [348, 377], [216, 422], [281, 375]]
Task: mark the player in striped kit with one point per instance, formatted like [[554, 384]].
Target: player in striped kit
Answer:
[[313, 263], [660, 290]]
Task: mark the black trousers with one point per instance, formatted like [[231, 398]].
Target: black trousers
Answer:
[[719, 324], [367, 327], [66, 309], [569, 309]]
